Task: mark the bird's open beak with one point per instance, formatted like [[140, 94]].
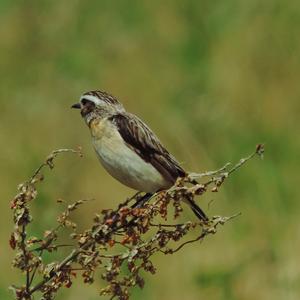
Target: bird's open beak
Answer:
[[76, 105]]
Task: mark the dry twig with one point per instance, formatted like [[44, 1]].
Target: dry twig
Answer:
[[123, 229]]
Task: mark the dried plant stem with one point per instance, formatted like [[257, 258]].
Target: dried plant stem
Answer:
[[124, 226]]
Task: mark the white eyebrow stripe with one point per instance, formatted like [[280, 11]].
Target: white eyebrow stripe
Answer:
[[91, 98]]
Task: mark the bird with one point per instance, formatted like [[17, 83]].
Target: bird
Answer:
[[128, 149]]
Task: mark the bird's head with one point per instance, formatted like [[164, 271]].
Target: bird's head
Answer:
[[97, 104]]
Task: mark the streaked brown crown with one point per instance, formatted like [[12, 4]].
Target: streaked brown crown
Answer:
[[103, 96]]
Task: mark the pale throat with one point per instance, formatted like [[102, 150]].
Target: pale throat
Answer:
[[99, 127], [89, 118], [99, 113]]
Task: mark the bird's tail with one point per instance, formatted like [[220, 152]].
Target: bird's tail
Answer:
[[197, 210]]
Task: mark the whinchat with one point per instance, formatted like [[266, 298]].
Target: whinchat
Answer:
[[127, 148]]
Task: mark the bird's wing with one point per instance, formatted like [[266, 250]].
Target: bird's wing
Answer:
[[145, 143]]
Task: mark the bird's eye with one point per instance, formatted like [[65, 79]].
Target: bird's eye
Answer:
[[84, 101], [87, 103]]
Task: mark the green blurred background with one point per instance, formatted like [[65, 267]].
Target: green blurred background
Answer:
[[212, 78]]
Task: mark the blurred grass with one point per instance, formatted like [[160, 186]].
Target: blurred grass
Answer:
[[211, 78]]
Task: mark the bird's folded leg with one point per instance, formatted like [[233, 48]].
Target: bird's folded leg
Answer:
[[128, 200], [141, 201]]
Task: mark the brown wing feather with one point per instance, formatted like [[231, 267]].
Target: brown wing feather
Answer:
[[146, 144]]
